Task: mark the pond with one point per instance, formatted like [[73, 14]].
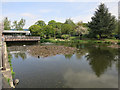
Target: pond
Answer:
[[75, 66]]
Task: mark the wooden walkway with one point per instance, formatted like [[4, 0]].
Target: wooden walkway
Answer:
[[21, 38]]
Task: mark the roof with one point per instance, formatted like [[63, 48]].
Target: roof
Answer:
[[11, 31]]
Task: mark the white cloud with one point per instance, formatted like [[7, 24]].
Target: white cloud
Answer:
[[28, 15], [85, 79], [85, 18]]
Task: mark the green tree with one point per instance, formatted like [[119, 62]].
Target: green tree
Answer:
[[15, 25], [117, 31], [80, 30], [40, 23], [7, 25], [66, 29], [19, 25], [103, 23], [35, 30], [70, 22], [49, 32], [52, 23]]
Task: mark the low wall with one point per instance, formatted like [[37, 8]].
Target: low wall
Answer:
[[7, 72]]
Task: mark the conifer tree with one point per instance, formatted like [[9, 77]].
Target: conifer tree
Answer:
[[103, 23], [7, 25]]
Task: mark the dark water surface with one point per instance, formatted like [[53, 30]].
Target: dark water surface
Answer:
[[89, 67]]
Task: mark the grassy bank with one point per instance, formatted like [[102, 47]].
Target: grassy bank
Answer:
[[9, 60], [74, 40]]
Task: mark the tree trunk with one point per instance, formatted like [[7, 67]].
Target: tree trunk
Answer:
[[80, 36], [100, 36]]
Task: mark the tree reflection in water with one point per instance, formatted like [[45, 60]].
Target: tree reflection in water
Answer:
[[22, 55], [101, 58]]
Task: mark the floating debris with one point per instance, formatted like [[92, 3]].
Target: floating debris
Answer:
[[45, 51]]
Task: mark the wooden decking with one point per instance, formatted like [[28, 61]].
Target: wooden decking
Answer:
[[22, 38]]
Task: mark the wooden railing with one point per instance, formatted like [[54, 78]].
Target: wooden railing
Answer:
[[22, 38]]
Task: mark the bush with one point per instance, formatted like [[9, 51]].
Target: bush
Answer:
[[65, 36]]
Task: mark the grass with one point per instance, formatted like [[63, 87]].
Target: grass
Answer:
[[9, 60], [8, 80], [77, 40]]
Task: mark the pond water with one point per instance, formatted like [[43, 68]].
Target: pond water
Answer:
[[90, 66]]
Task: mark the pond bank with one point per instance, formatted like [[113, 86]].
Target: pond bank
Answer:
[[7, 73], [108, 42]]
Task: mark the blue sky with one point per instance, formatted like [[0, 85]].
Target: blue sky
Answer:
[[59, 11]]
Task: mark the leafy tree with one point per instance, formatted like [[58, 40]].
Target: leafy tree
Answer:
[[19, 25], [103, 23], [70, 22], [52, 23], [80, 30], [57, 33], [40, 23], [7, 24], [117, 31], [66, 29], [35, 30], [15, 25], [49, 32], [58, 25]]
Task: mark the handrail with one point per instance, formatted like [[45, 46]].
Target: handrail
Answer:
[[8, 38]]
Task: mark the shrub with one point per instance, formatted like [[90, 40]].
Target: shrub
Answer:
[[8, 80], [65, 36]]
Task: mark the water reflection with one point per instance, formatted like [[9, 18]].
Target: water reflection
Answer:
[[68, 56], [18, 51], [22, 55], [101, 58], [91, 67], [80, 53], [86, 79]]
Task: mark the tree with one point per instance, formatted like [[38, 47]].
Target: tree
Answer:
[[15, 25], [40, 23], [35, 30], [116, 31], [19, 25], [57, 33], [52, 23], [6, 24], [66, 29], [103, 23], [80, 30], [49, 31], [58, 25], [70, 22]]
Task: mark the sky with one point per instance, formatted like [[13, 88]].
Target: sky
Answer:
[[58, 11]]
